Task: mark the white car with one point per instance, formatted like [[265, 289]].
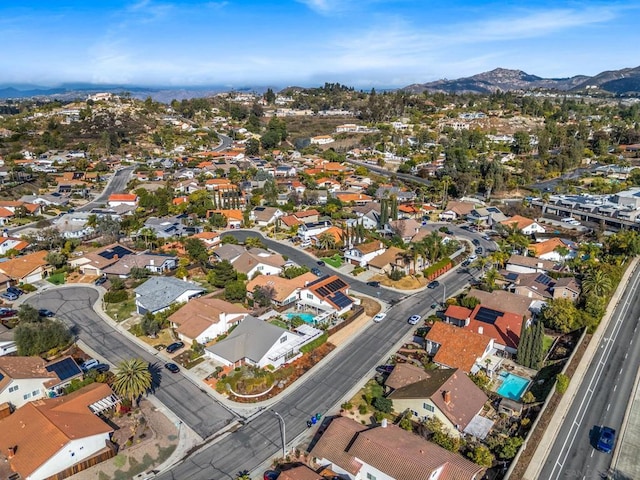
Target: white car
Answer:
[[414, 319], [379, 317]]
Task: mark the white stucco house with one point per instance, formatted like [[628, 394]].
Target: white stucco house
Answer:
[[159, 293], [361, 254], [203, 319]]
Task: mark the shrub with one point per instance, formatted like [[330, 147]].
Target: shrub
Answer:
[[382, 404], [363, 409], [396, 275], [116, 296], [562, 383], [481, 455], [346, 406], [27, 287]]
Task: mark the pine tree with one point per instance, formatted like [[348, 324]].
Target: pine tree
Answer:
[[384, 212], [524, 348], [394, 207], [537, 347]]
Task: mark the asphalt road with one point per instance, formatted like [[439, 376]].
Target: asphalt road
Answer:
[[320, 390], [188, 401], [116, 184], [602, 397], [225, 142], [387, 173]]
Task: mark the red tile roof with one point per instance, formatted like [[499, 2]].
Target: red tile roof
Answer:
[[459, 347]]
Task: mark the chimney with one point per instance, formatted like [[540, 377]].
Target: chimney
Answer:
[[480, 330], [11, 451], [115, 257], [152, 262], [383, 424], [447, 396]]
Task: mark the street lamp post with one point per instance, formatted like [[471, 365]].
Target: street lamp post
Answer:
[[283, 432], [444, 294]]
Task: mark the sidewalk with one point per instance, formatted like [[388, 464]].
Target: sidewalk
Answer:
[[546, 443]]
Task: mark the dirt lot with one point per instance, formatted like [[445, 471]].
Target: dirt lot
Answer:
[[406, 283]]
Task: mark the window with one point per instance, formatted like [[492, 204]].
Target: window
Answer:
[[35, 393], [26, 396], [414, 413], [428, 408], [14, 388], [310, 296], [370, 477], [283, 339]]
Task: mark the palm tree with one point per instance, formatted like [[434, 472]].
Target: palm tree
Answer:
[[132, 379], [433, 246], [596, 282], [326, 241], [500, 258], [490, 278]]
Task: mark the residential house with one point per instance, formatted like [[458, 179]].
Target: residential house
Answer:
[[309, 230], [361, 254], [260, 343], [454, 347], [264, 216], [203, 319], [367, 215], [75, 225], [456, 210], [349, 198], [524, 224], [46, 438], [159, 293], [286, 291], [117, 199], [167, 227], [94, 263], [327, 294], [259, 261], [447, 394], [235, 218], [386, 451], [402, 196], [23, 379], [539, 286], [391, 259], [289, 222], [405, 228], [187, 187], [209, 239], [503, 326], [555, 250], [567, 287], [154, 263], [229, 252], [321, 140], [316, 197], [303, 472], [522, 264], [11, 243], [508, 301], [486, 216], [29, 268]]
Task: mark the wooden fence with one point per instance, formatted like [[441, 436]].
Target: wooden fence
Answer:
[[356, 312], [108, 452]]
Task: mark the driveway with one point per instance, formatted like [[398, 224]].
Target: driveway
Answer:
[[178, 393]]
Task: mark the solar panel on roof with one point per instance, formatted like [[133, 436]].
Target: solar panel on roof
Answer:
[[487, 315], [118, 250], [511, 276], [341, 300], [544, 279], [64, 369]]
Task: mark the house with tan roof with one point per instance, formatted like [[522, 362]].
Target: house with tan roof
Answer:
[[205, 318], [285, 290], [94, 263], [456, 209], [235, 218], [454, 347], [23, 379], [446, 394], [29, 268], [524, 224], [525, 264], [405, 228], [152, 262], [259, 261], [264, 216], [361, 254], [209, 239], [45, 438], [389, 260], [386, 451]]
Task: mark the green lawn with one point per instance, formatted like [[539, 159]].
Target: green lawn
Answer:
[[278, 323], [547, 341], [56, 278], [121, 311], [335, 261]]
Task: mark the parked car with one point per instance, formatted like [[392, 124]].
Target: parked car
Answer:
[[174, 347], [434, 306], [316, 271], [414, 319], [7, 312], [15, 291], [172, 367], [100, 368], [379, 317], [476, 242], [100, 281], [479, 251], [9, 296], [43, 312], [321, 263], [89, 364], [606, 439], [472, 258], [434, 284], [373, 284], [384, 368], [466, 263]]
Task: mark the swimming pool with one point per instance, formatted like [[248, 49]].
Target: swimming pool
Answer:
[[513, 386], [306, 317]]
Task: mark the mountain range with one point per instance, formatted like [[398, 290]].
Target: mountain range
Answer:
[[620, 82]]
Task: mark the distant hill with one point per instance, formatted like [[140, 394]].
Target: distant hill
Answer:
[[625, 81]]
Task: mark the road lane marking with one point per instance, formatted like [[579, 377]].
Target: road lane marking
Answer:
[[615, 387], [608, 407], [592, 453], [571, 436]]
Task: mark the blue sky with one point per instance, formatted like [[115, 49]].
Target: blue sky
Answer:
[[363, 43]]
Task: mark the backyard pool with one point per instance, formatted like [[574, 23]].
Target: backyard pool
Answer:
[[306, 317], [512, 386]]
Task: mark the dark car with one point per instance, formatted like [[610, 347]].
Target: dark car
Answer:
[[174, 347], [384, 368], [15, 291], [100, 281], [373, 284], [476, 242], [100, 368], [316, 271], [479, 250], [434, 284], [434, 306], [606, 439], [466, 263], [172, 367], [320, 262], [43, 312], [7, 312]]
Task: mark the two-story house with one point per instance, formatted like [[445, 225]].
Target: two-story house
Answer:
[[328, 293], [361, 254]]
